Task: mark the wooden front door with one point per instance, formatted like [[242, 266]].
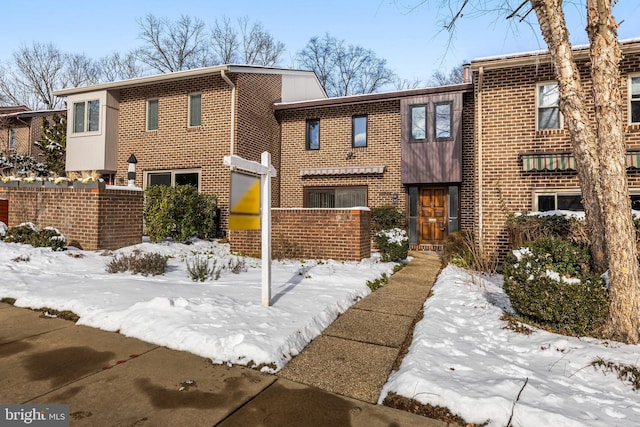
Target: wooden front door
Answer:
[[433, 215]]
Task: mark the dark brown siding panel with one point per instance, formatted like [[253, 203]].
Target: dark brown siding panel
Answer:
[[4, 211]]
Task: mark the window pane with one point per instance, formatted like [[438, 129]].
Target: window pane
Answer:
[[94, 115], [635, 202], [350, 197], [570, 203], [443, 120], [548, 118], [152, 114], [418, 122], [360, 131], [12, 139], [546, 203], [635, 112], [635, 88], [195, 110], [548, 95], [189, 178], [321, 199], [313, 134], [78, 117], [160, 178], [453, 209]]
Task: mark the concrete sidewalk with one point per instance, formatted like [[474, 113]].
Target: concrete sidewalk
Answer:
[[111, 380], [355, 355]]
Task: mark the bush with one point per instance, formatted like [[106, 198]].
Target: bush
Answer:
[[200, 269], [387, 218], [138, 262], [378, 283], [29, 234], [457, 251], [393, 244], [550, 282], [179, 213]]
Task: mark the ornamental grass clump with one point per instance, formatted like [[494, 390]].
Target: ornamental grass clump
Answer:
[[550, 282], [393, 244]]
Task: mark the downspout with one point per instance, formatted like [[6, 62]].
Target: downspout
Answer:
[[233, 110], [479, 141]]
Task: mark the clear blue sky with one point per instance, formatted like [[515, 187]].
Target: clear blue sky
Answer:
[[410, 40]]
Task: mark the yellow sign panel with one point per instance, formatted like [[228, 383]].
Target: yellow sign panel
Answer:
[[244, 212]]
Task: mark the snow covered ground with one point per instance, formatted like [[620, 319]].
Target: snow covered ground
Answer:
[[463, 358], [220, 319]]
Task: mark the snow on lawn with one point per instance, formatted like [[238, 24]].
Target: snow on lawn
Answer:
[[220, 319], [463, 358]]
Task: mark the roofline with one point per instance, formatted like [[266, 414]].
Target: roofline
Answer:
[[372, 97], [32, 113], [541, 56], [180, 75]]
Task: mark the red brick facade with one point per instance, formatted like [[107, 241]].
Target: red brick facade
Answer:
[[341, 234], [505, 123], [89, 219]]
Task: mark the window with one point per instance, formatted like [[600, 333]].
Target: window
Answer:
[[548, 111], [313, 134], [174, 177], [418, 122], [442, 117], [559, 201], [359, 124], [338, 197], [195, 109], [152, 114], [12, 139], [634, 99], [86, 116]]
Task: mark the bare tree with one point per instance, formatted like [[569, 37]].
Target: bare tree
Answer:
[[453, 77], [597, 138], [224, 41], [258, 46], [119, 67], [344, 69], [80, 70], [170, 46], [406, 84]]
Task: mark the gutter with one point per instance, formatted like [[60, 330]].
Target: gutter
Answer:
[[233, 111], [479, 141]]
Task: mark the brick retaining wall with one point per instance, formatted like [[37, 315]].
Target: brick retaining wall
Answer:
[[340, 234], [88, 218]]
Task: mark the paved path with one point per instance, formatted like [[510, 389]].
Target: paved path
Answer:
[[111, 380], [354, 356]]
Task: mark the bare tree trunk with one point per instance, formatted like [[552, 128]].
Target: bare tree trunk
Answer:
[[600, 155], [623, 322]]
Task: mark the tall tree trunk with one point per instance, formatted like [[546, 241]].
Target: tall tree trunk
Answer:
[[623, 322], [600, 155]]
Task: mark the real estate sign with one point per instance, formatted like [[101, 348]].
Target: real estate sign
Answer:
[[244, 210]]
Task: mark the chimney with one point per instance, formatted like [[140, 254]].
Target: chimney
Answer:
[[466, 73]]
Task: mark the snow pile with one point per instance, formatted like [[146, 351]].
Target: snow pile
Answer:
[[463, 358]]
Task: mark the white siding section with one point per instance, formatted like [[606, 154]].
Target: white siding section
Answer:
[[301, 87]]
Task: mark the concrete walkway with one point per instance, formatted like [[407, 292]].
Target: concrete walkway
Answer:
[[111, 380], [354, 356]]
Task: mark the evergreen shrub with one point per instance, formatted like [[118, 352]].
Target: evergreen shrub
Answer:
[[387, 218], [550, 282], [29, 234], [393, 244]]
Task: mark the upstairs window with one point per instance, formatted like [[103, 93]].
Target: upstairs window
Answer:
[[152, 114], [86, 116], [12, 139], [313, 134], [195, 109], [359, 131], [442, 120], [418, 122], [634, 99], [548, 111]]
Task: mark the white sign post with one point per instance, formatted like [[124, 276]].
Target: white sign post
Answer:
[[266, 172]]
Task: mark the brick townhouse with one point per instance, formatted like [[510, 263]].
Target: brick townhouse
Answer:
[[522, 146], [20, 127], [412, 149], [180, 125]]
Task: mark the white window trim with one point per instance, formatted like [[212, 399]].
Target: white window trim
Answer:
[[173, 173], [86, 117], [555, 192], [146, 119], [189, 110], [560, 118], [629, 77]]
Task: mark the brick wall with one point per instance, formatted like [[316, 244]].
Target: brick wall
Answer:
[[91, 220], [174, 145], [340, 234], [509, 129], [383, 148]]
